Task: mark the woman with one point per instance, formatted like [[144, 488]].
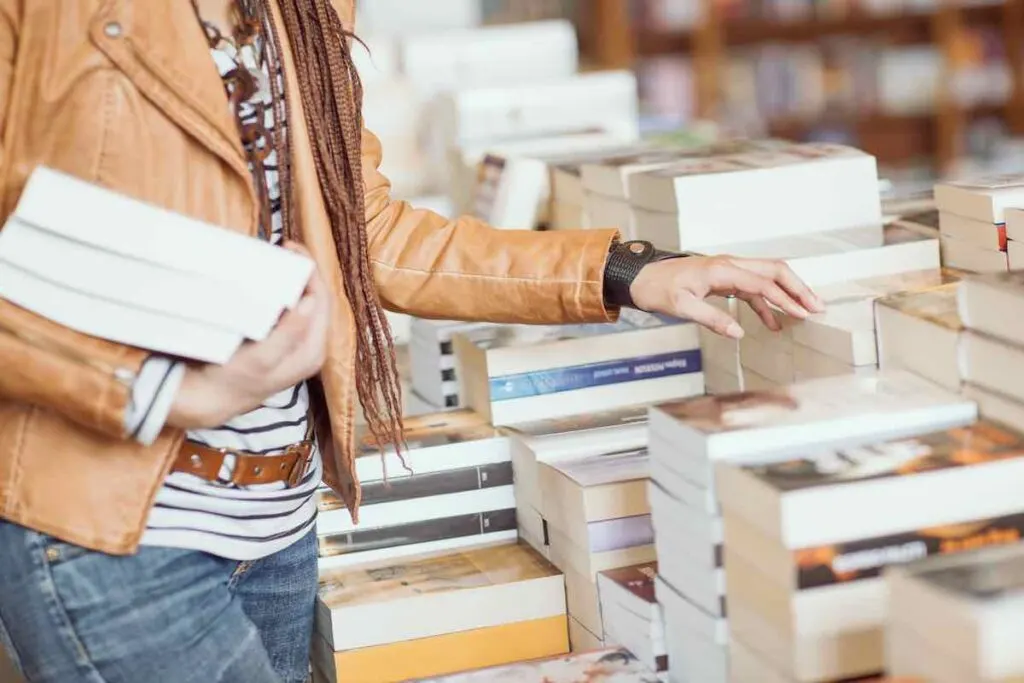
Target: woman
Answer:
[[158, 516]]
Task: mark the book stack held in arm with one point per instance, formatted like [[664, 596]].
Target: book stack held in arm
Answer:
[[687, 439]]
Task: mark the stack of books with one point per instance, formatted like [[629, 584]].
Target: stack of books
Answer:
[[432, 360], [991, 357], [720, 356], [688, 437], [839, 341], [786, 191], [607, 182], [630, 614], [568, 438], [1015, 238], [920, 331], [956, 619], [569, 114], [972, 221], [394, 621], [570, 202], [512, 374], [596, 518], [802, 575], [453, 491]]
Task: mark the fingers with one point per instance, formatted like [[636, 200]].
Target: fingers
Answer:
[[763, 310], [710, 317], [789, 281], [745, 283]]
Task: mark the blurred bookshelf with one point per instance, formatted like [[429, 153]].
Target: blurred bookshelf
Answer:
[[919, 84]]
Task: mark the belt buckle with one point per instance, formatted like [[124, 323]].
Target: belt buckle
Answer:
[[303, 452]]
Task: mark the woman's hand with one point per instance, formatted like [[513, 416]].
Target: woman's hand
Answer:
[[294, 351], [679, 286]]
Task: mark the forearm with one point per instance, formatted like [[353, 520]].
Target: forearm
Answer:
[[431, 267]]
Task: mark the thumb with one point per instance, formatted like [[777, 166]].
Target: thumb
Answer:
[[716, 320]]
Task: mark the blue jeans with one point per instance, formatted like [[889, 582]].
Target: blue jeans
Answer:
[[70, 615]]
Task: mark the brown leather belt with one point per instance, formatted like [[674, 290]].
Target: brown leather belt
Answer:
[[249, 469]]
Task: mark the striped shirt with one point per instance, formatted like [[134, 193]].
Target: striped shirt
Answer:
[[239, 523]]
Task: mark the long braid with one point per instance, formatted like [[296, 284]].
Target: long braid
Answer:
[[332, 96]]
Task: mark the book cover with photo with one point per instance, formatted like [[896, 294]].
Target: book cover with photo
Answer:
[[937, 305], [848, 396], [637, 579], [615, 665], [863, 559], [388, 581], [980, 444]]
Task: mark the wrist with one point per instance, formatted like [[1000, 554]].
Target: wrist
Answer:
[[625, 261], [197, 405]]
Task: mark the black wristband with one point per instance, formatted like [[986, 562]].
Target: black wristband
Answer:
[[625, 261]]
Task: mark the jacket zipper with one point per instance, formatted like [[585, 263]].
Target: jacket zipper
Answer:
[[125, 376]]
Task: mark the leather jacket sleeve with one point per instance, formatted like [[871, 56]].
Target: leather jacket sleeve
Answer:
[[85, 379], [464, 269]]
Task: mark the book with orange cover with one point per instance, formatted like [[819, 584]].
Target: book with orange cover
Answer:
[[444, 654]]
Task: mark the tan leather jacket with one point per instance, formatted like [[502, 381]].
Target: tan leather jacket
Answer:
[[124, 93]]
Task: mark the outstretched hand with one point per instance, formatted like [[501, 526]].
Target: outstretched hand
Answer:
[[679, 286]]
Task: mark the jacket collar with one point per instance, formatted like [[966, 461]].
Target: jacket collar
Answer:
[[162, 48]]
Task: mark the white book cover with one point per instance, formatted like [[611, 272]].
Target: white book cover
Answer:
[[108, 220], [194, 290], [610, 468], [834, 256], [982, 199], [799, 189]]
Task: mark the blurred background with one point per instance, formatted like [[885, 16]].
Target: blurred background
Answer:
[[932, 89]]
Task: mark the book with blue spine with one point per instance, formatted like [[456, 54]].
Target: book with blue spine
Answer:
[[519, 373]]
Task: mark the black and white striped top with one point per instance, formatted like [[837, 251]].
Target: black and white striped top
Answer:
[[219, 518]]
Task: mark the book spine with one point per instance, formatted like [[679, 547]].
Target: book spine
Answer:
[[558, 380], [426, 485], [445, 529]]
